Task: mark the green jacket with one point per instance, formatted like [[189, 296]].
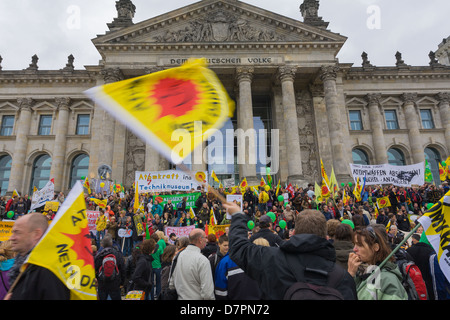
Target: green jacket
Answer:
[[386, 285]]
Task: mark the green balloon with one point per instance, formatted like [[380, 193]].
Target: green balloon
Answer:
[[280, 198], [349, 222], [83, 178], [429, 205], [350, 184], [342, 184], [282, 224], [10, 214], [285, 204], [443, 163], [250, 224], [272, 215]]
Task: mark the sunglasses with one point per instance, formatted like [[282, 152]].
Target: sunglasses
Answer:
[[372, 232]]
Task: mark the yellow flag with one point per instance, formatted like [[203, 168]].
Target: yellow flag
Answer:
[[173, 110], [436, 226], [192, 213], [278, 187], [65, 249], [212, 218], [87, 185], [15, 193], [447, 162], [383, 202], [442, 172], [213, 175], [100, 203], [136, 198], [324, 174], [357, 190], [333, 183], [317, 192]]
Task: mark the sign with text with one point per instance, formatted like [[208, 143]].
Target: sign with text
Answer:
[[6, 229], [191, 198], [402, 176], [169, 180]]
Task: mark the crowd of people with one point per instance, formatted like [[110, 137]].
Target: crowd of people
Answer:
[[332, 243]]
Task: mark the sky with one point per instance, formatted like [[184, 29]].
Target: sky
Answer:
[[54, 29]]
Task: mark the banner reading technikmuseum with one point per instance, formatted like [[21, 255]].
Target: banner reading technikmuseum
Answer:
[[169, 180], [402, 176]]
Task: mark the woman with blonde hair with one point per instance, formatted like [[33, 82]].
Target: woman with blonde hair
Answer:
[[7, 258]]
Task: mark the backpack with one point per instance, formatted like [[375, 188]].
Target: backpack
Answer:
[[109, 270], [412, 280], [303, 290]]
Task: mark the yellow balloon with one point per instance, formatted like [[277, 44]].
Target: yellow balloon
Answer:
[[102, 184], [267, 187]]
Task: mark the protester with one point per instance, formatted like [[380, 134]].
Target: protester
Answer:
[[232, 283], [100, 224], [343, 243], [7, 258], [211, 245], [266, 232], [109, 285], [215, 257], [192, 277], [36, 282], [142, 276], [308, 247], [421, 253], [161, 241], [370, 250]]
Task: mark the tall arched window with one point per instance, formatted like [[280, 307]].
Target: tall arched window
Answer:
[[41, 172], [360, 157], [79, 168], [433, 157], [396, 157], [5, 171]]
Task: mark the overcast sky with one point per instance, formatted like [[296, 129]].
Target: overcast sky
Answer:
[[54, 29]]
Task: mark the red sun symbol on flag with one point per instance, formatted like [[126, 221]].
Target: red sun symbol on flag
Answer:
[[176, 96], [82, 246], [325, 190], [382, 202]]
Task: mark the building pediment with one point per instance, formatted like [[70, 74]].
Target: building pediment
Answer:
[[218, 22]]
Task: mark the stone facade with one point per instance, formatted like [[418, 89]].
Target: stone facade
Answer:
[[255, 53]]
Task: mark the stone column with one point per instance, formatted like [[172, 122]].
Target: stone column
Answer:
[[59, 147], [328, 76], [444, 99], [376, 123], [21, 145], [107, 128], [412, 123], [322, 129], [286, 75], [247, 156]]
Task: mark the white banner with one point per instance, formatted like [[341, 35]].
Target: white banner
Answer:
[[40, 197], [228, 183], [403, 176], [169, 180]]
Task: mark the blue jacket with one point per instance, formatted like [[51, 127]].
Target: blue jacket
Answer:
[[231, 283]]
